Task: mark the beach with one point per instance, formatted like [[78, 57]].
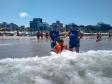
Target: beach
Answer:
[[17, 37]]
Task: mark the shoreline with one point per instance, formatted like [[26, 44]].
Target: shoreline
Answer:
[[35, 38], [18, 38]]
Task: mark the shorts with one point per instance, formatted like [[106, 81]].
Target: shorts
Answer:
[[53, 44], [74, 44]]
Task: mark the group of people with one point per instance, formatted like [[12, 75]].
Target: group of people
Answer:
[[58, 45], [41, 35], [99, 36]]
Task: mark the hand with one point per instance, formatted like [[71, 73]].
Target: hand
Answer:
[[79, 38]]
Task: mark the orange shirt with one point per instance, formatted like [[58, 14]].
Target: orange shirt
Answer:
[[59, 48]]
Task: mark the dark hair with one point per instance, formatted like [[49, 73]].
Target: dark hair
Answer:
[[60, 40]]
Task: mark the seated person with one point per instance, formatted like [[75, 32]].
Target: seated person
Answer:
[[60, 46]]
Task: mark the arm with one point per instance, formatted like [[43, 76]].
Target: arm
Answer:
[[65, 47], [80, 35], [68, 34]]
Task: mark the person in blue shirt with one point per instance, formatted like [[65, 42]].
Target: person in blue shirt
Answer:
[[54, 35], [74, 39]]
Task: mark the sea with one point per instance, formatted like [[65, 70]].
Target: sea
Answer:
[[32, 62]]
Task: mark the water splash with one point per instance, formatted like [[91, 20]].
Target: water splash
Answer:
[[92, 67]]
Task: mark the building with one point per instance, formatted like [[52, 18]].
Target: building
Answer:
[[35, 24], [10, 26], [71, 25], [13, 27], [57, 25], [21, 28], [38, 25]]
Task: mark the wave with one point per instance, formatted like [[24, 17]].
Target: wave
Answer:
[[92, 67], [7, 44]]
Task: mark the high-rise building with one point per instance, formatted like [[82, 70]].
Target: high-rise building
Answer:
[[38, 25], [71, 25], [57, 25], [35, 24], [36, 20]]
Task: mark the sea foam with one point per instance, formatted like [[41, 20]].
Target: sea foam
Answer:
[[92, 67]]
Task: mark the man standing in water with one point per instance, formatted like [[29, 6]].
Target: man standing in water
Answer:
[[74, 37], [54, 35]]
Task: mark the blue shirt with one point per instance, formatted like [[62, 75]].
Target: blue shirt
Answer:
[[54, 35], [73, 36]]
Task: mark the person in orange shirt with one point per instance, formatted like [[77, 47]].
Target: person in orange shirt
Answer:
[[60, 46]]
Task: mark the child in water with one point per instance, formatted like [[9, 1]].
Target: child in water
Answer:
[[60, 46]]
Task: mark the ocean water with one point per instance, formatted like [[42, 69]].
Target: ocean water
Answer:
[[32, 48], [91, 67], [31, 62]]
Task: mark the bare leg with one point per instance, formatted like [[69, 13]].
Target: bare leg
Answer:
[[71, 49], [77, 49]]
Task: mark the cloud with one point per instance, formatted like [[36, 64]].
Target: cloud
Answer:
[[23, 14]]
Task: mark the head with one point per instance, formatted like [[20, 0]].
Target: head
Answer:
[[73, 29], [60, 41]]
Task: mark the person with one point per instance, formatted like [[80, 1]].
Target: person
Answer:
[[38, 35], [74, 39], [60, 46], [98, 36], [54, 35], [46, 35], [18, 33], [110, 34], [41, 35]]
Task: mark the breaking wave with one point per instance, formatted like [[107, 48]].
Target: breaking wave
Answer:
[[92, 67]]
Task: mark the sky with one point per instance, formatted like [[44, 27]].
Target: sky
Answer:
[[85, 12]]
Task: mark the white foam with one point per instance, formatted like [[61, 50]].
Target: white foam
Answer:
[[92, 67], [7, 44]]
